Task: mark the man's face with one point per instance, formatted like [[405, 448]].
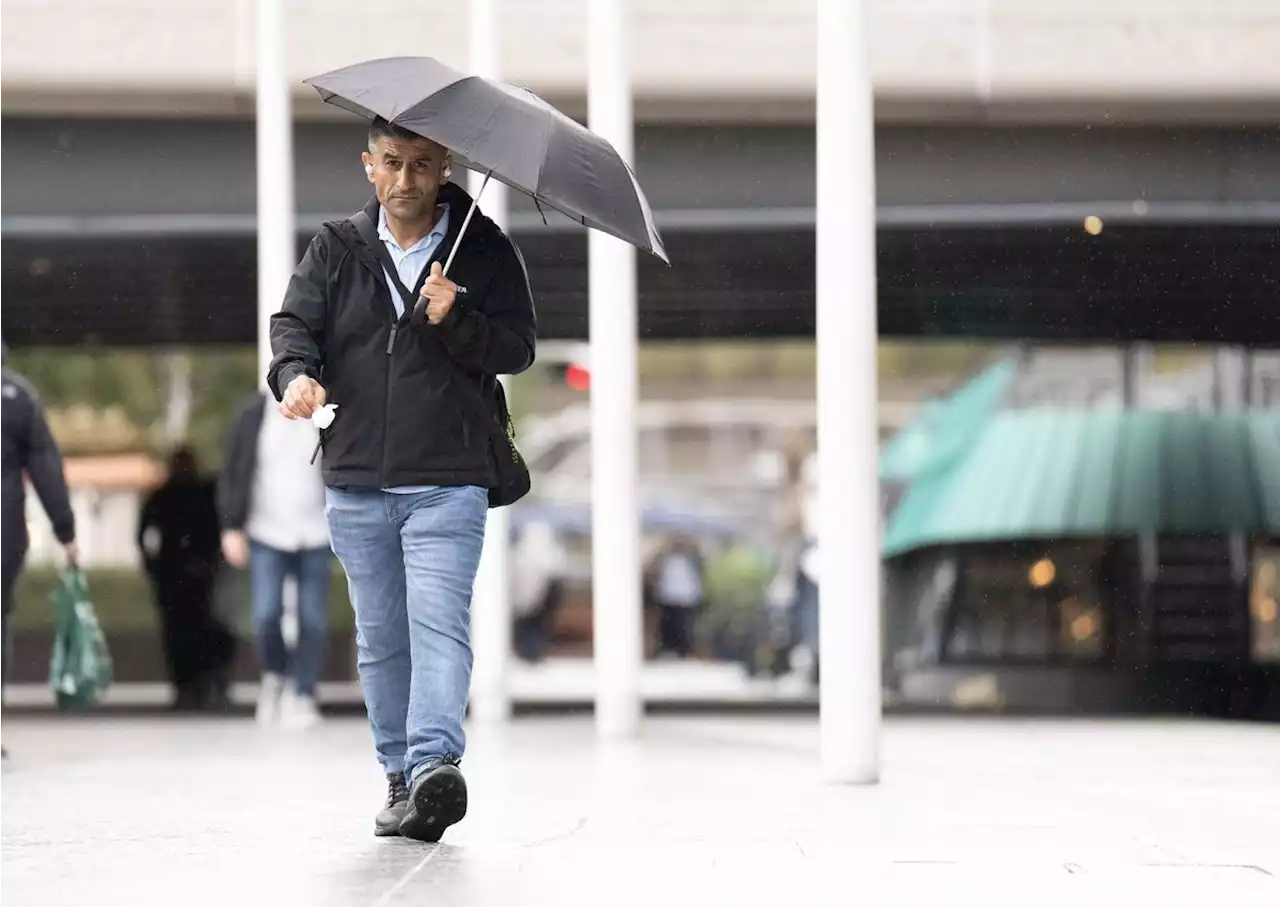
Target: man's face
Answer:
[[406, 175]]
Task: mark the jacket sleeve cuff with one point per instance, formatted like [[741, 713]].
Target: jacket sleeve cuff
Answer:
[[455, 317], [285, 377]]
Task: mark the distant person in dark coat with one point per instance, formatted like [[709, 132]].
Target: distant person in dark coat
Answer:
[[179, 537]]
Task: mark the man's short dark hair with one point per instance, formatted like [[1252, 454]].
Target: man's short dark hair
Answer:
[[383, 129]]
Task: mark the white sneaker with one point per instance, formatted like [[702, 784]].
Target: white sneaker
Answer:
[[298, 713], [268, 712]]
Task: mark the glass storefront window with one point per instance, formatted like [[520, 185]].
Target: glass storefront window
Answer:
[[1264, 593], [1024, 603]]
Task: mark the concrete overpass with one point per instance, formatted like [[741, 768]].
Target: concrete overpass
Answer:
[[142, 230]]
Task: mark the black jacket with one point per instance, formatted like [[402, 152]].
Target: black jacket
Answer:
[[240, 465], [183, 513], [400, 420], [29, 448]]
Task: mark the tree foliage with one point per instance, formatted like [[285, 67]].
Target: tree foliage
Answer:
[[103, 400]]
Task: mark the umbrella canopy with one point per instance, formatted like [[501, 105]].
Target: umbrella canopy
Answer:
[[506, 132]]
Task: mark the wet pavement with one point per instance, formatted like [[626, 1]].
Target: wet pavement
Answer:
[[150, 811]]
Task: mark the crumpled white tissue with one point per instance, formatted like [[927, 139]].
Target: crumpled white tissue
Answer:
[[324, 416]]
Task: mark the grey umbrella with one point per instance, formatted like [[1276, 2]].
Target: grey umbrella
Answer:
[[505, 132]]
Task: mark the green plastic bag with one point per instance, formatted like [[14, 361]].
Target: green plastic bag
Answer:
[[80, 669]]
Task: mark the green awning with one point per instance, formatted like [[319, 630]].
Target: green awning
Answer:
[[945, 428], [1061, 473]]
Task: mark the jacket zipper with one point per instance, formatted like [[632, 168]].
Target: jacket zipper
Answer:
[[391, 342]]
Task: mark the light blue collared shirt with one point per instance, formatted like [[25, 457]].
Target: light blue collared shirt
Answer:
[[409, 264]]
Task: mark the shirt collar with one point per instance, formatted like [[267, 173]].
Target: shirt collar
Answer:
[[435, 236]]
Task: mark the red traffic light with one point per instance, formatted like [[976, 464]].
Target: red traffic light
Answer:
[[577, 377]]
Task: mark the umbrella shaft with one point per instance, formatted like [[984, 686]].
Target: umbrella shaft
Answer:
[[465, 223]]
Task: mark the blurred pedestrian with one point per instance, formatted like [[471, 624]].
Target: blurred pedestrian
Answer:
[[30, 452], [178, 537], [805, 608], [677, 591], [408, 461], [538, 562], [272, 506]]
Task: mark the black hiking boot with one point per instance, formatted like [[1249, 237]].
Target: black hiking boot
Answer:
[[438, 799], [387, 822]]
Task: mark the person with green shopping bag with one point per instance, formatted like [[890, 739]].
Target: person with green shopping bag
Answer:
[[30, 452]]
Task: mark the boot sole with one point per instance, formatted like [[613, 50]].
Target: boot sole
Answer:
[[438, 802]]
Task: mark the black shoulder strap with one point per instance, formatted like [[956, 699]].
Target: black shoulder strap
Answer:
[[364, 226], [412, 304]]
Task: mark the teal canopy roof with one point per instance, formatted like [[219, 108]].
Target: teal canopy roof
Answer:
[[1055, 473]]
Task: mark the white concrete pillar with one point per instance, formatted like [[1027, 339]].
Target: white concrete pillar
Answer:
[[848, 524], [491, 612], [277, 252], [615, 536]]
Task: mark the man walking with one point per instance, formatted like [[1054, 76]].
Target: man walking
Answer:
[[272, 507], [29, 452], [407, 461]]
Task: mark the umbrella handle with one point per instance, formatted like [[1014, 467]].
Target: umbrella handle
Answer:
[[465, 223]]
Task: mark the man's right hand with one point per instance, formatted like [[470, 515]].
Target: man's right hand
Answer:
[[302, 397], [235, 548]]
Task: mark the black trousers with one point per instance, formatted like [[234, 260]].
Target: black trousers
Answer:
[[675, 629], [532, 633], [11, 567], [198, 650]]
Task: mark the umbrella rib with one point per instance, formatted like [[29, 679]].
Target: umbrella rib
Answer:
[[549, 131]]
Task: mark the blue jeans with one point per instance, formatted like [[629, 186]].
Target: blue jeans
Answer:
[[311, 567], [411, 562]]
